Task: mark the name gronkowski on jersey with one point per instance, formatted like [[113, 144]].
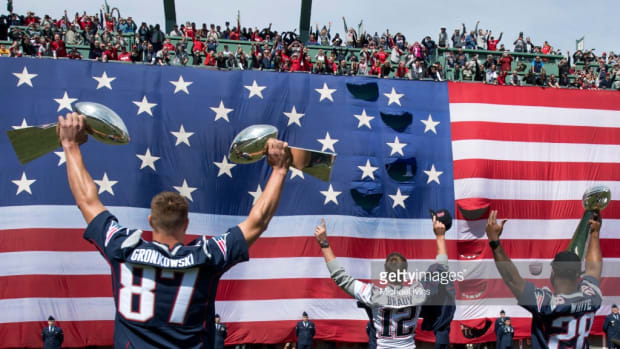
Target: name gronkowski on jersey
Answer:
[[394, 309], [164, 298], [562, 321]]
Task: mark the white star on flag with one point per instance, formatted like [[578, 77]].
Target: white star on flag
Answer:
[[23, 184], [367, 170], [394, 97], [144, 106], [331, 195], [256, 194], [294, 117], [62, 158], [433, 175], [255, 90], [185, 190], [25, 77], [221, 112], [65, 102], [364, 119], [104, 81], [182, 136], [23, 125], [181, 85], [399, 199], [327, 142], [105, 184], [148, 159], [296, 173], [224, 167], [326, 92], [430, 124], [397, 146]]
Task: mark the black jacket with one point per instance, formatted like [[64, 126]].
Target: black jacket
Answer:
[[305, 333], [52, 339], [220, 335], [612, 326]]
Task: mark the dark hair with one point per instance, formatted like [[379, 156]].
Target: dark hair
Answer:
[[566, 265]]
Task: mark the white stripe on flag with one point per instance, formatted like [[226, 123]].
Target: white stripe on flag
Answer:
[[520, 114], [102, 308], [505, 189], [534, 151], [46, 216], [91, 263]]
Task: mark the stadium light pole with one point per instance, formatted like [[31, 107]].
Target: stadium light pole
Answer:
[[304, 20], [170, 14]]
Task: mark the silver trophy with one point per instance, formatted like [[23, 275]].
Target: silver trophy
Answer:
[[594, 199], [250, 146], [102, 123]]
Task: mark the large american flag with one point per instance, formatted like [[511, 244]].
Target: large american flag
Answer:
[[403, 147]]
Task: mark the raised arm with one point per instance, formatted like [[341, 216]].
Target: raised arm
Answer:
[[594, 257], [279, 157], [345, 281], [71, 133], [504, 265], [440, 237]]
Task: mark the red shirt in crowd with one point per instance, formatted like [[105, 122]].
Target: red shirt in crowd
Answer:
[[109, 25], [234, 35], [30, 20], [506, 62], [112, 54], [198, 46], [401, 72], [59, 47], [296, 64], [546, 49], [209, 59], [381, 56], [375, 70], [492, 45], [189, 32], [124, 56], [168, 46]]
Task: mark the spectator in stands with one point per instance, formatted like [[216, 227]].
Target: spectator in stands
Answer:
[[546, 48], [492, 43], [431, 48], [376, 68], [542, 79], [481, 38], [519, 44], [198, 50], [505, 62], [175, 32], [417, 70], [110, 53], [324, 37], [466, 72], [58, 47], [605, 81], [148, 54], [95, 50], [442, 39], [241, 58], [458, 38], [72, 37], [363, 68], [470, 40], [74, 54], [180, 57], [491, 74], [529, 46], [537, 66], [514, 79], [124, 55], [4, 52], [386, 69], [553, 82], [402, 71], [157, 38], [564, 81]]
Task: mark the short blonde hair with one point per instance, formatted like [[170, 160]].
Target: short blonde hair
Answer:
[[168, 210]]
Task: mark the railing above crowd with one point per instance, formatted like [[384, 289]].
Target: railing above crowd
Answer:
[[475, 56]]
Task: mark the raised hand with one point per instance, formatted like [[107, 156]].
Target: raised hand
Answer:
[[71, 129], [494, 229], [438, 227], [278, 154], [320, 233]]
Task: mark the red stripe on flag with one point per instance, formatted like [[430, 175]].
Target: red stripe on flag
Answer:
[[55, 286], [535, 170], [77, 333], [534, 133], [460, 92]]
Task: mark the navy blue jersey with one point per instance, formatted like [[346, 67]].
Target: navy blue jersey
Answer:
[[562, 321], [163, 297]]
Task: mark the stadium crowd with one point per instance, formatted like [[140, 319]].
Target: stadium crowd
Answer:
[[357, 52]]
